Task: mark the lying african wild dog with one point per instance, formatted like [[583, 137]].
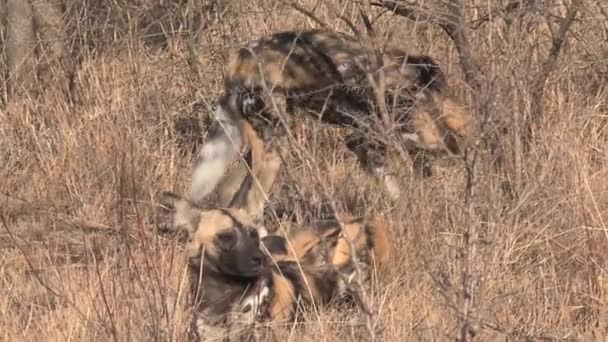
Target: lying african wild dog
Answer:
[[324, 75], [239, 276]]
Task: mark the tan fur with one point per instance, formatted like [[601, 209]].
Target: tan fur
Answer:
[[302, 241], [308, 244], [381, 237], [282, 65], [266, 165], [272, 65], [210, 224], [353, 232], [231, 182], [275, 64], [441, 124], [282, 304], [427, 130], [307, 240], [312, 293], [356, 232], [457, 118]]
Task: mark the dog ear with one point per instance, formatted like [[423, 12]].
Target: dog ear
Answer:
[[255, 188], [186, 214]]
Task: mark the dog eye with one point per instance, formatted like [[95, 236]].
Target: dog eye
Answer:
[[254, 234], [226, 240]]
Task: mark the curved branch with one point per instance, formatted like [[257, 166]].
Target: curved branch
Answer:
[[538, 85]]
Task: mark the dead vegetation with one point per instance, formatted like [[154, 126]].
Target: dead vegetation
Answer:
[[509, 243]]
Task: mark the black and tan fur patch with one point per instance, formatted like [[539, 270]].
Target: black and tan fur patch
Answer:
[[238, 278], [325, 75], [308, 267]]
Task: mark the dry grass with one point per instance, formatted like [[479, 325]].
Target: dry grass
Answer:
[[81, 258]]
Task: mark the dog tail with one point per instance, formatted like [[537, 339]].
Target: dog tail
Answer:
[[225, 140]]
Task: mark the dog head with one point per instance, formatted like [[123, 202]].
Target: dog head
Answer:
[[228, 239], [224, 239]]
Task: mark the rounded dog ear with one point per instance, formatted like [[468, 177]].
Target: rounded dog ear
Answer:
[[186, 214]]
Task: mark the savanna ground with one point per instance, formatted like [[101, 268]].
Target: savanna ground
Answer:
[[81, 258]]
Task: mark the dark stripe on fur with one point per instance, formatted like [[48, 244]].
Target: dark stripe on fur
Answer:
[[236, 222], [239, 199], [430, 74], [326, 283], [291, 271], [324, 226], [369, 234], [276, 245]]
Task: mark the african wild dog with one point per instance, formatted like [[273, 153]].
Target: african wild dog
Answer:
[[324, 74], [239, 276]]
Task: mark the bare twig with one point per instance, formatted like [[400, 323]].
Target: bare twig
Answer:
[[337, 13], [538, 85], [378, 86], [36, 274], [412, 11], [456, 31], [309, 14], [358, 289], [112, 328], [502, 12], [453, 25]]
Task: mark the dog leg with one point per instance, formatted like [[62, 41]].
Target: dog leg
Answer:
[[421, 158], [372, 158], [222, 147]]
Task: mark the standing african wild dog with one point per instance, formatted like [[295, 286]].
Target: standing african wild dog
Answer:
[[239, 277], [324, 74]]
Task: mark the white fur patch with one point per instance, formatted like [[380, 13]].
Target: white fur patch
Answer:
[[220, 114], [412, 140], [390, 182], [248, 101], [214, 157], [411, 137], [343, 67], [253, 43], [253, 303], [262, 232]]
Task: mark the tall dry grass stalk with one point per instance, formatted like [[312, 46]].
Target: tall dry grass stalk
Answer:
[[519, 252]]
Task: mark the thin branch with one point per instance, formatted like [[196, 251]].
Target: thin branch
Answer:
[[337, 13], [360, 296], [452, 24], [456, 30], [35, 272], [412, 11], [538, 85], [379, 86], [502, 12], [309, 14]]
